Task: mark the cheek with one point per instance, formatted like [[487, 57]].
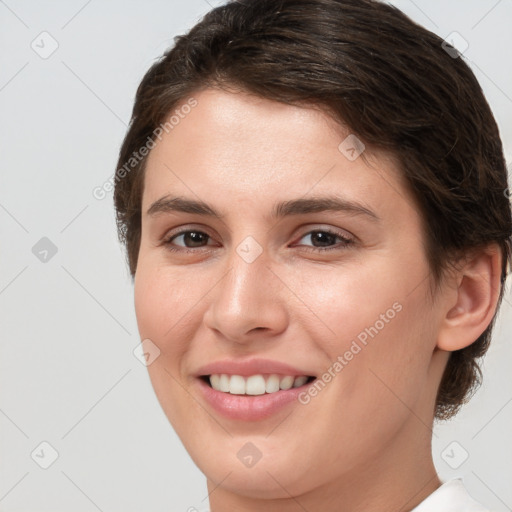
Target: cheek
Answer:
[[381, 329], [167, 309], [164, 303], [389, 376], [347, 303]]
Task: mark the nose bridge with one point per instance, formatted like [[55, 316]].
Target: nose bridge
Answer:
[[247, 298], [248, 263]]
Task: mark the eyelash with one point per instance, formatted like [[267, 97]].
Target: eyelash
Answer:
[[340, 246]]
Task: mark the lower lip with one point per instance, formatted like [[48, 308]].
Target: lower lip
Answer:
[[250, 407]]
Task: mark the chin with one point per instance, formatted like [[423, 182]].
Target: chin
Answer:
[[236, 467]]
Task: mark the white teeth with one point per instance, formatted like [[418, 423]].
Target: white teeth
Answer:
[[255, 384], [215, 381], [286, 382], [237, 385], [223, 383], [272, 384], [299, 381]]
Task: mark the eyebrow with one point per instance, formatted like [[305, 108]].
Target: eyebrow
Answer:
[[168, 204]]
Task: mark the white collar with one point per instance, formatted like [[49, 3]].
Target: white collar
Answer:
[[451, 496]]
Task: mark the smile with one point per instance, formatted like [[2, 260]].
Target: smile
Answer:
[[245, 398], [259, 384]]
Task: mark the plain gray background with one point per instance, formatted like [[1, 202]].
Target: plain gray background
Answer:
[[68, 374]]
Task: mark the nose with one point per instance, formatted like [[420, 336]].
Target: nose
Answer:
[[248, 303]]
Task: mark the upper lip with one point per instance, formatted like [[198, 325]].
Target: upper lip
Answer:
[[249, 367]]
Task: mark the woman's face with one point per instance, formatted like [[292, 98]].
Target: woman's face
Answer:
[[279, 284]]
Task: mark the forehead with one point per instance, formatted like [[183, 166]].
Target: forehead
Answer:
[[246, 150]]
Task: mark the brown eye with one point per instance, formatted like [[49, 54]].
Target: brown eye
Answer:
[[187, 240], [191, 238], [325, 240]]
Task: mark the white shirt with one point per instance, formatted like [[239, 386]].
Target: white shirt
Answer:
[[451, 496]]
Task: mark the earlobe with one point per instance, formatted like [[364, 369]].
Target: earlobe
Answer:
[[478, 289]]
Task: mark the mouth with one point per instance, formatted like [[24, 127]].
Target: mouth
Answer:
[[252, 389], [255, 385]]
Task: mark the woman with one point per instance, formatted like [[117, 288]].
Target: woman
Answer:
[[312, 194]]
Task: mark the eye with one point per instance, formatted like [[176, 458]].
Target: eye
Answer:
[[325, 240], [187, 239]]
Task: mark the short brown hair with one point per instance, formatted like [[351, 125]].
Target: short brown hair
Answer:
[[390, 81]]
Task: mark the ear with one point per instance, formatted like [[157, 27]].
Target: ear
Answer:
[[471, 308]]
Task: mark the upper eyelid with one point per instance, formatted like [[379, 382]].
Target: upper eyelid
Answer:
[[169, 234], [342, 233]]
